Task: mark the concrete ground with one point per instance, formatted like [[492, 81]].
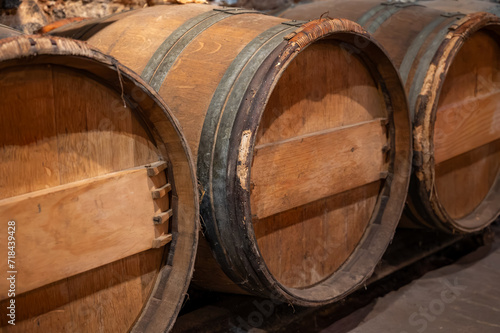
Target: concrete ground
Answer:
[[461, 298]]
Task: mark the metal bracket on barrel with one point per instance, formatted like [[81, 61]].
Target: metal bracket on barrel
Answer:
[[457, 15], [453, 14], [401, 4], [236, 11], [295, 23]]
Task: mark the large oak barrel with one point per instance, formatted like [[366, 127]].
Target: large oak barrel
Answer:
[[98, 197], [450, 64], [302, 141]]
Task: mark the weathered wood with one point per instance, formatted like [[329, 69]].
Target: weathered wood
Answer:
[[240, 84], [77, 130], [449, 63]]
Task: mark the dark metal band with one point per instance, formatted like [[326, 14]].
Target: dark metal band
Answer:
[[392, 8], [216, 133], [370, 14], [425, 62], [415, 47], [382, 12], [155, 60], [165, 56]]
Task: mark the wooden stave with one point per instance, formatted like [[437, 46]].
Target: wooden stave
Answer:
[[263, 283], [159, 311], [424, 207]]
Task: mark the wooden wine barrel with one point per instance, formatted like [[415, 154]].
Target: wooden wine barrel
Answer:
[[450, 64], [302, 141], [98, 189]]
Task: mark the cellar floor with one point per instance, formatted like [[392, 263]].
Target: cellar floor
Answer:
[[462, 297], [426, 282]]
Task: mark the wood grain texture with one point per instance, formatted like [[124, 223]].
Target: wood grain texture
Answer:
[[62, 154], [305, 245], [317, 163], [30, 152], [64, 137], [451, 177], [304, 169], [339, 93], [88, 302], [467, 126], [85, 224], [193, 78], [204, 62]]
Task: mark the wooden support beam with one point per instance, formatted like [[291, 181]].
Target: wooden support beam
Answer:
[[155, 168], [163, 217], [162, 241], [161, 192]]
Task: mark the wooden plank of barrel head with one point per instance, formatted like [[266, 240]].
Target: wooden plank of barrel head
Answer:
[[302, 141], [99, 183], [451, 68]]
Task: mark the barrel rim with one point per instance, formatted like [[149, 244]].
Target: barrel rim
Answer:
[[240, 250], [36, 50], [425, 196]]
